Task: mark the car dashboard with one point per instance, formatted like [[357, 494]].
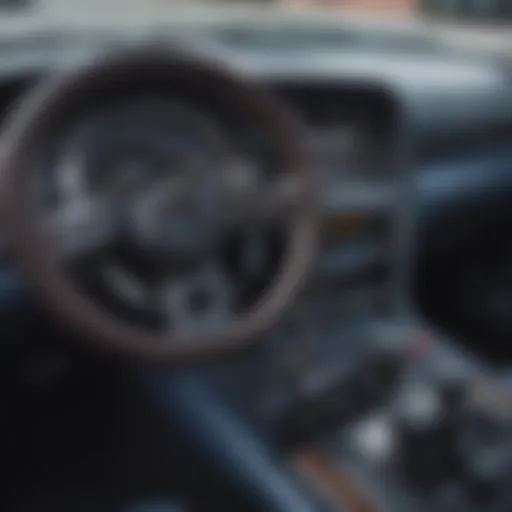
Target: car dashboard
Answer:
[[353, 391]]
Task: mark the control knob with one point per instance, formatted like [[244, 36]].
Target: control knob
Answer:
[[429, 419]]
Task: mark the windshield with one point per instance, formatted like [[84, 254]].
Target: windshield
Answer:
[[269, 25]]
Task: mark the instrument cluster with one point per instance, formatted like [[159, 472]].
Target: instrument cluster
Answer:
[[350, 132]]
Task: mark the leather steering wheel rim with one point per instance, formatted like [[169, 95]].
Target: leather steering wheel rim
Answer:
[[48, 105]]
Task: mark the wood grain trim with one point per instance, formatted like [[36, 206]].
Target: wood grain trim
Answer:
[[333, 481]]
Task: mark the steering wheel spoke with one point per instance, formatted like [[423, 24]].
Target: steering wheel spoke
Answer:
[[82, 227], [276, 201]]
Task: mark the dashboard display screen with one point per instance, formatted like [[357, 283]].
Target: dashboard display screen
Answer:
[[350, 151], [349, 131]]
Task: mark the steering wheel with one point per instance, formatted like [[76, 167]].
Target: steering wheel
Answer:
[[287, 196]]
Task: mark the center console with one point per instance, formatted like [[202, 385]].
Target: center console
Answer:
[[413, 426]]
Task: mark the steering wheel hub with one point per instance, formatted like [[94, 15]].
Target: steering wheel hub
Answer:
[[173, 221]]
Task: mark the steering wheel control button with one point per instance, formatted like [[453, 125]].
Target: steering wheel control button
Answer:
[[82, 227]]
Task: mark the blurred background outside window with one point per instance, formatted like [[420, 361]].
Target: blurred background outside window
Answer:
[[476, 10]]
